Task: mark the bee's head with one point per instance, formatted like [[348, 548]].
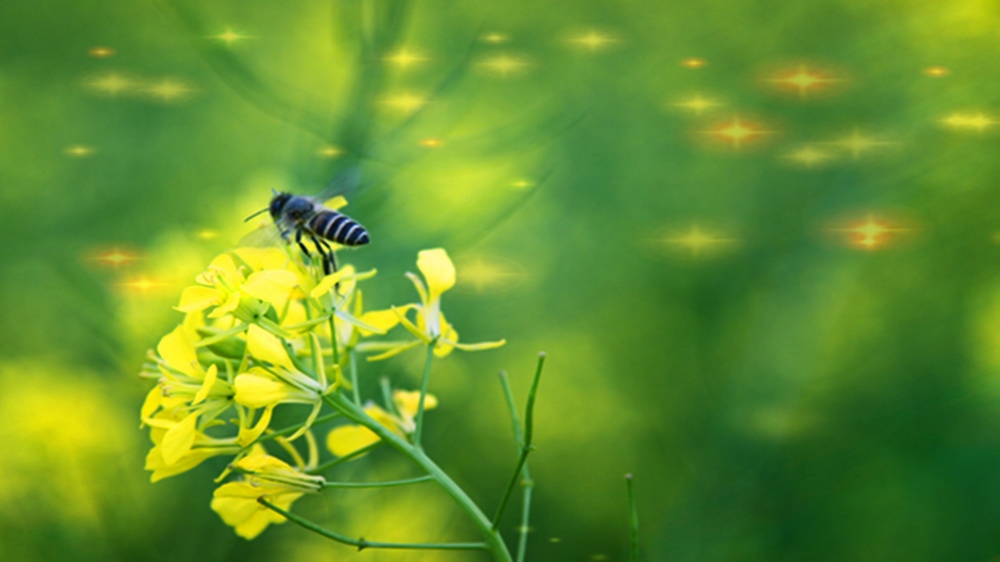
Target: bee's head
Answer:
[[278, 203]]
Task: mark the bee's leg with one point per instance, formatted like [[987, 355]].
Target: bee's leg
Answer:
[[329, 261], [298, 240], [330, 255]]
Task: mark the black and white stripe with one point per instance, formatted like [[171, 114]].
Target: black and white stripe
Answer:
[[338, 228]]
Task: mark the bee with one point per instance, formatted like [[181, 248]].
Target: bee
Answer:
[[304, 216]]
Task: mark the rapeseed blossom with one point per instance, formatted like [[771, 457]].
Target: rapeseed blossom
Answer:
[[263, 328], [430, 326]]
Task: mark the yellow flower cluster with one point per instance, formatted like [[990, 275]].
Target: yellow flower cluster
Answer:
[[264, 328]]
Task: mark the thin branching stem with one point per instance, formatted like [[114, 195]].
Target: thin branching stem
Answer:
[[526, 448], [527, 484], [348, 457], [362, 543], [386, 484], [494, 542], [353, 359]]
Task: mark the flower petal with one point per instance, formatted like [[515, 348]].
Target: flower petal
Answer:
[[231, 304], [392, 352], [196, 298], [346, 439], [177, 350], [250, 434], [210, 377], [152, 403], [384, 320], [255, 391], [327, 284], [177, 441], [438, 271], [479, 346], [408, 402], [260, 259], [272, 286], [264, 346]]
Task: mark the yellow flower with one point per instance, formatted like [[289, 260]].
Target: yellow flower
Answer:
[[178, 446], [431, 326], [407, 403], [230, 289], [264, 477], [276, 380]]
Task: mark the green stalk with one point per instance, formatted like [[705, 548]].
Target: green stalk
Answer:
[[423, 393], [361, 543], [633, 520], [386, 484], [493, 540], [526, 448], [333, 340], [527, 484], [348, 457], [352, 357]]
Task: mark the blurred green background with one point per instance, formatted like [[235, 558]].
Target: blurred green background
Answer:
[[758, 241]]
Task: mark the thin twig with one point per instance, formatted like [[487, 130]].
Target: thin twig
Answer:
[[526, 448], [386, 484], [362, 543], [349, 456], [423, 393], [527, 484]]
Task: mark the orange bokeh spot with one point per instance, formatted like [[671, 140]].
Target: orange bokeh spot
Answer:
[[871, 233], [114, 257], [804, 80], [737, 132]]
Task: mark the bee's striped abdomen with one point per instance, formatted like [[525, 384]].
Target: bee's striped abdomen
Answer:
[[338, 228]]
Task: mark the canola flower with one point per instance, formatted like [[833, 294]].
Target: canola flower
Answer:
[[265, 328]]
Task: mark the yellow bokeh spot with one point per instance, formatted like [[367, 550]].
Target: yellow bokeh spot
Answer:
[[504, 65], [593, 41], [168, 90], [404, 102], [699, 242], [698, 104], [404, 59], [79, 151], [229, 37], [101, 52]]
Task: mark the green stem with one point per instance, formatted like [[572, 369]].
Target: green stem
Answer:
[[361, 543], [633, 520], [352, 357], [333, 340], [527, 484], [526, 448], [423, 393], [349, 456], [292, 429], [494, 542], [386, 484]]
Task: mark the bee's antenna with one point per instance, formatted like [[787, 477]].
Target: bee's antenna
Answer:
[[264, 210]]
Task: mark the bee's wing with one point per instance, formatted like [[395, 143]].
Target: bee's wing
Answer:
[[265, 235], [344, 184]]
